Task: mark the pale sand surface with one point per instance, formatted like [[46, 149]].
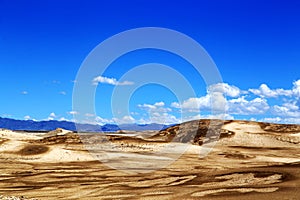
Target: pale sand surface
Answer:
[[252, 164]]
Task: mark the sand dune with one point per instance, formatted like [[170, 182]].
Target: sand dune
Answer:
[[249, 160]]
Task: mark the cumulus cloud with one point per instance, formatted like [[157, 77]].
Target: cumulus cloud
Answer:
[[265, 91], [242, 106], [165, 118], [218, 103], [281, 120], [102, 121], [73, 112], [211, 116], [6, 115], [223, 100], [193, 104], [289, 109], [62, 119], [158, 113], [214, 101], [226, 89], [159, 104], [296, 88], [27, 117], [94, 120], [127, 119], [156, 107], [89, 114], [110, 81], [160, 118], [52, 116]]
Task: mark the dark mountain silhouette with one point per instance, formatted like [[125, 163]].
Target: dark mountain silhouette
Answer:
[[30, 125]]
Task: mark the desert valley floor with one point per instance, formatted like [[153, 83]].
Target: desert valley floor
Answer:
[[250, 160]]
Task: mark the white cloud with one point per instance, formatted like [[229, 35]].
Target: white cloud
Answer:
[[124, 120], [216, 116], [192, 117], [219, 116], [103, 121], [62, 93], [93, 119], [52, 116], [110, 81], [160, 118], [218, 102], [157, 113], [134, 113], [143, 121], [284, 109], [236, 104], [6, 115], [265, 92], [156, 107], [163, 118], [242, 106], [214, 101], [193, 104], [226, 89], [147, 106], [24, 92], [296, 88], [27, 117], [160, 104], [73, 112], [62, 119], [289, 109], [281, 120], [253, 119], [175, 105], [88, 114], [291, 120]]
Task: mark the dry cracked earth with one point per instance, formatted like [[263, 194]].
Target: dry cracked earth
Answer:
[[200, 159]]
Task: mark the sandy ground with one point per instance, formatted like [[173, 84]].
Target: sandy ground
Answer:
[[256, 162]]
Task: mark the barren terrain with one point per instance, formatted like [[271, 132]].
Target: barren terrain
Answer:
[[248, 160]]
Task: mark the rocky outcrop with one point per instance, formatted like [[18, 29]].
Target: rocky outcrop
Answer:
[[194, 132]]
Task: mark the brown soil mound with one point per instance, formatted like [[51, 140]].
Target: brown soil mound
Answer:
[[69, 138], [280, 128], [194, 132], [3, 140], [33, 150]]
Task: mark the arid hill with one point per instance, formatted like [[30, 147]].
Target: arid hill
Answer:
[[248, 160]]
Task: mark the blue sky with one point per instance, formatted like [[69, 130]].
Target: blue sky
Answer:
[[254, 44]]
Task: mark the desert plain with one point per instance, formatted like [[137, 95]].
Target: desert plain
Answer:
[[201, 159]]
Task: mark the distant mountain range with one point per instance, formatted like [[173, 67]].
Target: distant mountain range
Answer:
[[30, 125]]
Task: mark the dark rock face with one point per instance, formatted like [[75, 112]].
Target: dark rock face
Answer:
[[280, 128], [69, 138], [33, 150], [194, 132]]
